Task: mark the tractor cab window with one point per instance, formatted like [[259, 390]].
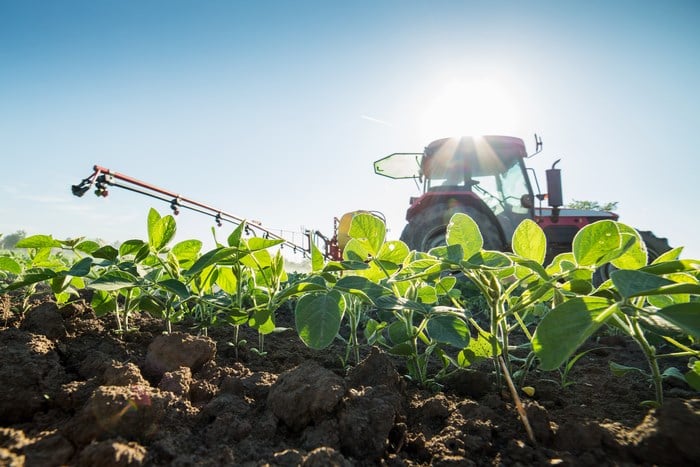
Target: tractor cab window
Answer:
[[503, 193]]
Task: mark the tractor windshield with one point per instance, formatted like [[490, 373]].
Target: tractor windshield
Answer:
[[492, 167]]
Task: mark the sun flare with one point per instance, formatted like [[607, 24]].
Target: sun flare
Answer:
[[469, 108]]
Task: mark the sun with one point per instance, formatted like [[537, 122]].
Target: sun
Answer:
[[469, 108]]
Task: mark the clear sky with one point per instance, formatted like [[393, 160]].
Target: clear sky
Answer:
[[275, 110]]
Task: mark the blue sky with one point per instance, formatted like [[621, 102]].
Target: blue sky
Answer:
[[275, 111]]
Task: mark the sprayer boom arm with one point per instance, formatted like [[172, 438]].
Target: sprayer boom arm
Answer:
[[103, 177]]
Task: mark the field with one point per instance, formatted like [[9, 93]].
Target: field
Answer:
[[155, 354]]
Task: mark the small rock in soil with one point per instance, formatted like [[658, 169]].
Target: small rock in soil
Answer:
[[112, 453], [171, 351]]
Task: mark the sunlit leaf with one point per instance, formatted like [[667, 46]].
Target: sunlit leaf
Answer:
[[529, 241], [318, 318], [463, 230], [594, 242]]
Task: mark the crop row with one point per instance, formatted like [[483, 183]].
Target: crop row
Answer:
[[413, 304]]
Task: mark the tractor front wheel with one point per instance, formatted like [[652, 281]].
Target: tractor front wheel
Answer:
[[428, 229]]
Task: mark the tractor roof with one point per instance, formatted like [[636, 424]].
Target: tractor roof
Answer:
[[476, 155]]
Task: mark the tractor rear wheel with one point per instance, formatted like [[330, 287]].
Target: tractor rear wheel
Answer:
[[428, 228]]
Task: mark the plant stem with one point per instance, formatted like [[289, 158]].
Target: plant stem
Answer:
[[650, 354]]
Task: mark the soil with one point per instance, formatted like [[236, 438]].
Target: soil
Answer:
[[75, 392]]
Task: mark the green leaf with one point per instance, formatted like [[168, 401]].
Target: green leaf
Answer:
[[393, 251], [623, 370], [463, 230], [38, 241], [481, 348], [633, 283], [32, 276], [636, 255], [87, 246], [234, 239], [260, 243], [692, 377], [490, 259], [368, 227], [398, 333], [114, 280], [318, 318], [316, 258], [593, 244], [132, 247], [427, 294], [262, 321], [160, 230], [449, 329], [103, 302], [81, 268], [530, 242], [187, 251], [209, 258], [403, 349], [566, 327], [176, 287], [107, 252], [10, 265], [362, 287], [684, 315]]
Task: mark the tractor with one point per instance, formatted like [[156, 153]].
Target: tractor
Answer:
[[486, 178]]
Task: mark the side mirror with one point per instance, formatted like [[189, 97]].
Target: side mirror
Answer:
[[555, 195]]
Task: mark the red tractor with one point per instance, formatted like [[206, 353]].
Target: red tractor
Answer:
[[486, 178]]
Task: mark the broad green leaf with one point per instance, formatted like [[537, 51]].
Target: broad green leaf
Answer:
[[361, 286], [81, 268], [209, 258], [114, 280], [684, 315], [227, 280], [561, 263], [692, 377], [369, 227], [669, 267], [359, 250], [566, 327], [490, 259], [670, 255], [393, 251], [262, 321], [234, 239], [398, 333], [662, 301], [176, 287], [132, 247], [636, 255], [10, 265], [318, 318], [32, 276], [316, 258], [427, 294], [38, 241], [462, 230], [187, 251], [593, 243], [484, 346], [160, 230], [529, 241], [449, 329], [632, 283], [391, 302], [622, 370], [445, 284], [403, 349], [261, 243], [87, 246], [103, 302], [449, 253]]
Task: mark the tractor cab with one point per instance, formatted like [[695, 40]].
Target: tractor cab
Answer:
[[482, 175]]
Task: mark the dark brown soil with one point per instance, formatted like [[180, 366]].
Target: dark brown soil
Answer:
[[74, 392]]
